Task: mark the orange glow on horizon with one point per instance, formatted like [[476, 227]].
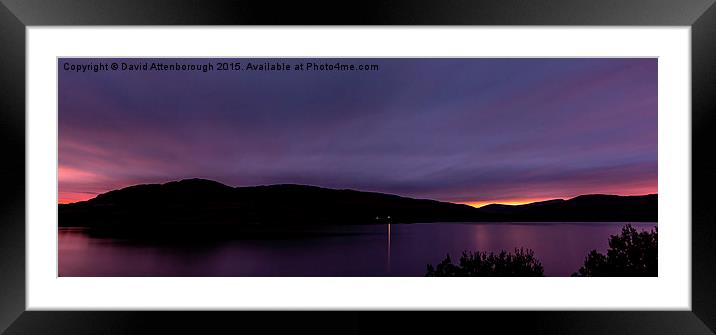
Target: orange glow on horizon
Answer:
[[70, 197], [69, 175], [478, 204], [522, 201]]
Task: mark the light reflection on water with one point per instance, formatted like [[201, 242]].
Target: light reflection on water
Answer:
[[372, 250]]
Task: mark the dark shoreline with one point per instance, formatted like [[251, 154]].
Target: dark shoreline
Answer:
[[258, 231]]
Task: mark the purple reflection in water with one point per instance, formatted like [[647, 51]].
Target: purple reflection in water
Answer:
[[398, 250]]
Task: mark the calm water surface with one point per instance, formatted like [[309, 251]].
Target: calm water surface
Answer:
[[381, 250]]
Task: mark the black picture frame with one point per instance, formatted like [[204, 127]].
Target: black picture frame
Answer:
[[16, 15]]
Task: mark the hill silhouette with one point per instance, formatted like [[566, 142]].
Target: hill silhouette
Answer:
[[592, 207], [200, 201]]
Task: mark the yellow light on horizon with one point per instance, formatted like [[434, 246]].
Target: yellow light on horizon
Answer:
[[478, 204]]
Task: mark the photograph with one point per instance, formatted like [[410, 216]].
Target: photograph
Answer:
[[357, 167], [403, 166]]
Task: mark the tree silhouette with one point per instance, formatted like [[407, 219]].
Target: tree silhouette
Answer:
[[521, 263], [630, 254]]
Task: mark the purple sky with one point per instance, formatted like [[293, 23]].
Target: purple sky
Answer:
[[460, 130]]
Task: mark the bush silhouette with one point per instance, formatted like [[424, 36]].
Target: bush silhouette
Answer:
[[521, 263], [630, 254]]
